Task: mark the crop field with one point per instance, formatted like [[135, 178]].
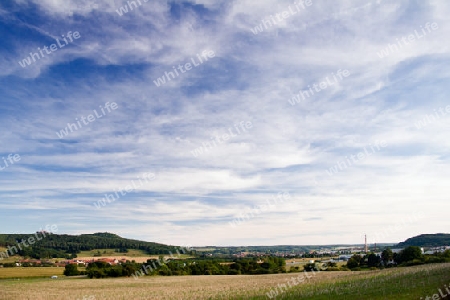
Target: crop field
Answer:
[[111, 252], [138, 259], [300, 262], [396, 283], [138, 256], [14, 273]]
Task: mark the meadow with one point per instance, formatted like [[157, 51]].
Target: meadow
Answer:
[[138, 256], [395, 283], [19, 272]]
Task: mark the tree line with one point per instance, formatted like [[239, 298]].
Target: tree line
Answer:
[[409, 256], [99, 269]]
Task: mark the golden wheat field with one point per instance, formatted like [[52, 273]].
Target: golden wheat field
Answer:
[[395, 283], [30, 272], [176, 287]]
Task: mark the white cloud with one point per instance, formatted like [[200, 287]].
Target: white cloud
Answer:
[[288, 148]]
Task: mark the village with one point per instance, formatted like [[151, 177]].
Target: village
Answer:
[[63, 263]]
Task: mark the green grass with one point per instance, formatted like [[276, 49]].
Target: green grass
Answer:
[[398, 283], [111, 252]]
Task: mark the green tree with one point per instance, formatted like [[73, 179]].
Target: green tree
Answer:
[[71, 270], [409, 254], [387, 256], [129, 269], [446, 253], [352, 263], [310, 267], [373, 260]]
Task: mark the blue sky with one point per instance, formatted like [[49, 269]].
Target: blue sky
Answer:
[[394, 192]]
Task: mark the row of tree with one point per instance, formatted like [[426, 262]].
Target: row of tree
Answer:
[[100, 269], [268, 265], [411, 255]]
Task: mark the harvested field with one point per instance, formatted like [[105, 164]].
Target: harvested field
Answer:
[[397, 283]]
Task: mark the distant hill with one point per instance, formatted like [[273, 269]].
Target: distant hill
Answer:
[[64, 245], [427, 240]]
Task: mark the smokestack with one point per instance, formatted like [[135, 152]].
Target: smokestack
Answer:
[[365, 243]]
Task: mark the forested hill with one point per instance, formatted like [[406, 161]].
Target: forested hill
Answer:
[[427, 240], [76, 243]]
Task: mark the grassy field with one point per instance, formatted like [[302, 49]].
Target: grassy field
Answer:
[[137, 255], [300, 262], [111, 252], [30, 272], [397, 283]]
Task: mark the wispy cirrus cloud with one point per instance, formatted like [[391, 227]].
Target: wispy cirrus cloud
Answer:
[[250, 78]]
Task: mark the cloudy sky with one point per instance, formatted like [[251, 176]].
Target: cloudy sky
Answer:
[[324, 102]]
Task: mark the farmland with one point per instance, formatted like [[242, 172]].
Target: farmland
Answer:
[[14, 273], [396, 283], [112, 252]]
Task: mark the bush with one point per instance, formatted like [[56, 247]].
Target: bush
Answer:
[[9, 265], [71, 270], [409, 254], [434, 259], [310, 267], [333, 269], [413, 262], [261, 271], [352, 263], [96, 273]]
